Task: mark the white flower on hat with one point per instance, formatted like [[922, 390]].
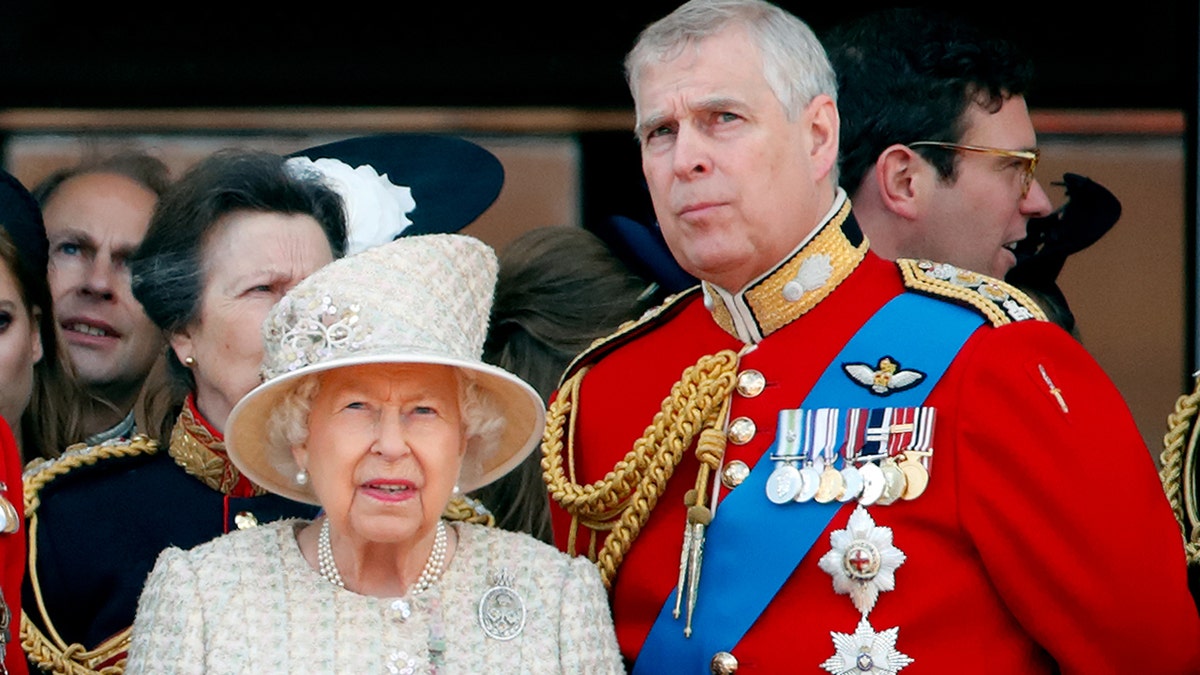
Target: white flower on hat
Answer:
[[375, 207]]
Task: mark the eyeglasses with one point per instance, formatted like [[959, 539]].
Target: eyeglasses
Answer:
[[1029, 157]]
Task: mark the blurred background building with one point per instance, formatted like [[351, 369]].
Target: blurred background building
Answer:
[[1115, 98]]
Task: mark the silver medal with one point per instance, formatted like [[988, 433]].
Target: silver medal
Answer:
[[854, 483], [501, 609], [783, 483], [810, 482], [873, 483]]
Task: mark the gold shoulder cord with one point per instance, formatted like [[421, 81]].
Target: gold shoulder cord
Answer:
[[621, 502], [1178, 472], [51, 652]]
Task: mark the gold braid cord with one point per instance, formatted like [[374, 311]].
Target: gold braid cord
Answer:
[[48, 649], [470, 510], [1178, 472], [621, 502]]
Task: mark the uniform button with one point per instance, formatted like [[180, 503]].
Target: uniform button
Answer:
[[724, 663], [741, 430], [750, 383], [734, 473], [245, 520]]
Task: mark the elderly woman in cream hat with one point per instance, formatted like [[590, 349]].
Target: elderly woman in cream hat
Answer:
[[376, 406]]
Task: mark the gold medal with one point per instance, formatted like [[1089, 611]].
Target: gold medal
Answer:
[[831, 485], [916, 475]]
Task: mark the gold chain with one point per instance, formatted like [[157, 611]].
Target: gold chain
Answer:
[[621, 501]]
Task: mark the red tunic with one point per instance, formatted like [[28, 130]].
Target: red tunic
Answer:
[[1043, 543], [12, 549]]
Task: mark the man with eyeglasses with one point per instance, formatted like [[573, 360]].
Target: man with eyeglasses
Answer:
[[818, 460], [938, 150]]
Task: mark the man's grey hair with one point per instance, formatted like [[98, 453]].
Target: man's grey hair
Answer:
[[794, 61]]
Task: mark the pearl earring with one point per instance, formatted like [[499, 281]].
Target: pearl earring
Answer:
[[457, 490], [301, 477], [189, 362]]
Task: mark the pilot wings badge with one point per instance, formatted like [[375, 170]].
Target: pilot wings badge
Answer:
[[885, 378]]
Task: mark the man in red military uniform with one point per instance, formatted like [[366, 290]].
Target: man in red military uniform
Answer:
[[822, 461]]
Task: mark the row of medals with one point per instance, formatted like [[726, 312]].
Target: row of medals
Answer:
[[880, 478]]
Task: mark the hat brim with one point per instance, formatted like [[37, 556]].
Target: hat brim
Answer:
[[274, 469]]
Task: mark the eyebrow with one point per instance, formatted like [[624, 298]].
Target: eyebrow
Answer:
[[705, 105], [85, 238]]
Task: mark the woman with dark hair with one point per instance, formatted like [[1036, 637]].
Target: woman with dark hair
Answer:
[[225, 243], [37, 396], [40, 399]]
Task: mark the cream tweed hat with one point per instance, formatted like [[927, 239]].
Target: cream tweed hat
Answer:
[[420, 299]]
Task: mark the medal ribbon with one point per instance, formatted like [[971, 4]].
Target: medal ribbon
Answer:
[[826, 444], [748, 527], [878, 422], [855, 434], [922, 439], [791, 429], [902, 430]]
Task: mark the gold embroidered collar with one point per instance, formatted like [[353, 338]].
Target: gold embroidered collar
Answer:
[[201, 453], [796, 285]]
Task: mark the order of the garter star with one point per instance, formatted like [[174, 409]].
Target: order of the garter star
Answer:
[[863, 560]]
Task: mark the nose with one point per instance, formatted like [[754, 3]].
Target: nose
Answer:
[[692, 157], [101, 277], [391, 442], [1036, 203]]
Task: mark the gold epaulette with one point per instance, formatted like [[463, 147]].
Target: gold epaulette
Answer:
[[46, 647], [629, 330], [39, 472], [998, 301]]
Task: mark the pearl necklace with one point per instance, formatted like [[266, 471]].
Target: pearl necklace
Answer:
[[429, 576]]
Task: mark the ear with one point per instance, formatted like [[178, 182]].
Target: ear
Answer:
[[898, 172], [300, 454], [181, 344], [37, 351], [823, 123]]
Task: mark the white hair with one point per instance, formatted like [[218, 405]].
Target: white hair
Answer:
[[481, 413]]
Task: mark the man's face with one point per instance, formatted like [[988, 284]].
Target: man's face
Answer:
[[94, 222], [974, 221], [736, 185]]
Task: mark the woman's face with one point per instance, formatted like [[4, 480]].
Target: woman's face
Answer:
[[250, 260], [20, 349], [385, 446]]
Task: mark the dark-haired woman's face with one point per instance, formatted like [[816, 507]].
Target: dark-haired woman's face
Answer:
[[249, 261], [20, 349]]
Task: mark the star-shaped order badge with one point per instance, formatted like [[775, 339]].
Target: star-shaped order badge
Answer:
[[863, 560], [865, 651]]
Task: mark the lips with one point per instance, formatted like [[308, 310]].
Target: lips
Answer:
[[696, 208], [389, 490], [87, 331]]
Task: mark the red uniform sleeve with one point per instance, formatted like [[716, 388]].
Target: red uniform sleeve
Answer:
[[1062, 500]]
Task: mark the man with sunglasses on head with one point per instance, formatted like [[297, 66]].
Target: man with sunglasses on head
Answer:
[[938, 151]]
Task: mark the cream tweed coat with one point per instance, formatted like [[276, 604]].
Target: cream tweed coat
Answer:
[[248, 602]]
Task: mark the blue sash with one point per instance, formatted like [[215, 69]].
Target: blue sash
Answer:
[[746, 557]]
